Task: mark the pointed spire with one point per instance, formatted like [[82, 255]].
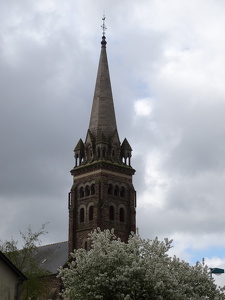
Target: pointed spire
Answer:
[[102, 141], [103, 119]]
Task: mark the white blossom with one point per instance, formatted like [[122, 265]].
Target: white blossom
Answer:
[[139, 269]]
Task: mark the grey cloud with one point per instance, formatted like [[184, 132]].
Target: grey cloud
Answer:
[[48, 63]]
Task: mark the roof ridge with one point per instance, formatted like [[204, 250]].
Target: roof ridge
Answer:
[[52, 244]]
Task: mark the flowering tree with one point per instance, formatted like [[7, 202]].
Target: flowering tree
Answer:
[[139, 269]]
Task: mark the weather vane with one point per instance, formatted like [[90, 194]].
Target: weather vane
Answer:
[[103, 25]]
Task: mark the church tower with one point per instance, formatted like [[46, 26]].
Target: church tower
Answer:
[[102, 194]]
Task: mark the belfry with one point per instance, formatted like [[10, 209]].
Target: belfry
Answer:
[[102, 194]]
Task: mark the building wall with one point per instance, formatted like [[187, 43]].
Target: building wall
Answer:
[[56, 287], [8, 282], [53, 286]]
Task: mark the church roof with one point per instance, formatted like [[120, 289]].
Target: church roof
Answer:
[[103, 119], [51, 257]]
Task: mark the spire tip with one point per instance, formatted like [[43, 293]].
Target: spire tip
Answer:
[[103, 42], [103, 25]]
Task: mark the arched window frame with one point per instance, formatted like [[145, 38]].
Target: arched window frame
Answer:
[[81, 192], [122, 191], [91, 212], [86, 245], [116, 191], [82, 214], [87, 191], [111, 213], [92, 189], [110, 189], [122, 213]]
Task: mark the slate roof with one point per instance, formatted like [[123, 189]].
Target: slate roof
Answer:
[[51, 257]]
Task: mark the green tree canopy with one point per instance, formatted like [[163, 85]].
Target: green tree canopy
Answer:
[[139, 269]]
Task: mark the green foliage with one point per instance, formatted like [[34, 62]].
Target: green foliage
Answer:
[[24, 260], [140, 269]]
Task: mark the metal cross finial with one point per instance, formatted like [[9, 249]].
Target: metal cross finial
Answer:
[[103, 25]]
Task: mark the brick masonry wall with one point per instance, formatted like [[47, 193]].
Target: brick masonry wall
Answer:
[[53, 288], [101, 200]]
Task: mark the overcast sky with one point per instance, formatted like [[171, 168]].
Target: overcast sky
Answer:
[[167, 67]]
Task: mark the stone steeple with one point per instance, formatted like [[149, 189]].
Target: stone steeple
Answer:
[[102, 194], [103, 119], [102, 140]]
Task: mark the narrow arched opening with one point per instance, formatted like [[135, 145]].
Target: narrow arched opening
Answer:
[[122, 191], [81, 192], [110, 189], [111, 213], [82, 215], [116, 191], [92, 189], [121, 215], [87, 191], [91, 213]]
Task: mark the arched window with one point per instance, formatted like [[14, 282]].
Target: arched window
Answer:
[[85, 245], [87, 190], [110, 189], [92, 189], [116, 191], [121, 214], [91, 213], [122, 191], [82, 215], [111, 213], [81, 192]]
